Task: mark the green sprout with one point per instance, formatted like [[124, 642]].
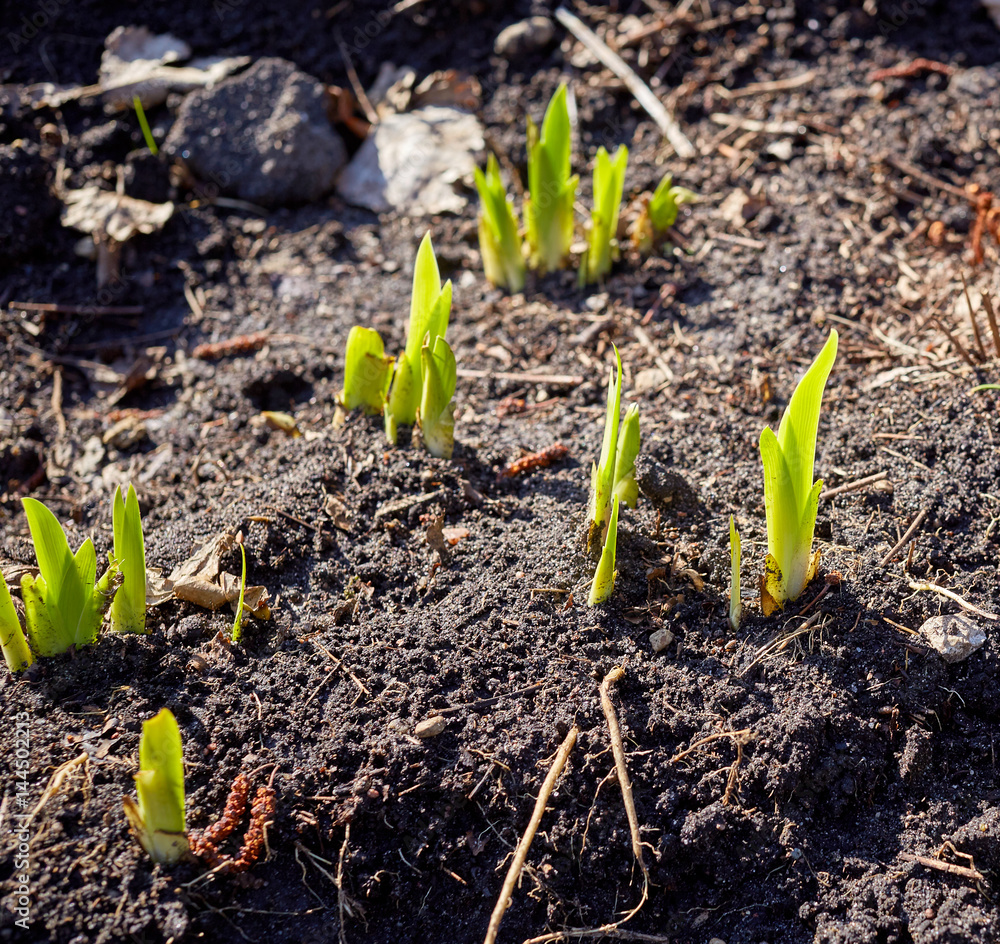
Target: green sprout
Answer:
[[604, 576], [791, 498], [158, 819], [614, 475], [548, 209], [612, 482], [140, 113], [436, 414], [660, 213], [367, 372], [237, 633], [735, 603], [499, 239], [63, 605], [16, 652], [128, 608], [609, 182], [430, 308]]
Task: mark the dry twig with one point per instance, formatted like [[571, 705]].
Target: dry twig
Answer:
[[521, 853], [901, 543], [951, 595], [853, 486], [643, 94]]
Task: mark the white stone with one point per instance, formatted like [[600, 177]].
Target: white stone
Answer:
[[955, 637]]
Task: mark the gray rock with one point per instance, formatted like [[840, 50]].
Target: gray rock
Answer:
[[262, 136], [524, 36], [955, 637]]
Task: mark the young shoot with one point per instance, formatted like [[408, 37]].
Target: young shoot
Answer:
[[614, 475], [604, 576], [735, 602], [499, 239], [660, 213], [791, 498], [147, 134], [128, 608], [158, 819], [602, 248], [367, 372], [16, 652], [237, 633], [430, 308], [548, 210], [436, 415], [63, 606]]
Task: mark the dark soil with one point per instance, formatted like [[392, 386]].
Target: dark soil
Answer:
[[861, 747]]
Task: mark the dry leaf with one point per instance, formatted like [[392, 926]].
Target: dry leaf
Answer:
[[283, 421], [337, 511], [453, 535], [435, 533]]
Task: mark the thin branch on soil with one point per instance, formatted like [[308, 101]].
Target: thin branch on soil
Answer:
[[901, 543], [951, 595], [193, 303], [733, 781], [359, 90], [972, 320], [342, 907], [643, 94], [853, 486], [963, 353], [647, 342], [521, 853], [568, 380], [614, 933], [974, 874], [56, 782], [339, 663], [483, 702], [618, 750], [54, 308], [776, 645], [912, 170], [57, 401], [761, 88], [992, 317], [739, 736]]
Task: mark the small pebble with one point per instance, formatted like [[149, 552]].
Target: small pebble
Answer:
[[524, 36], [661, 639], [430, 727]]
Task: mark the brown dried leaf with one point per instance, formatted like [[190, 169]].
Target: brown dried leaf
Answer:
[[453, 535], [336, 509]]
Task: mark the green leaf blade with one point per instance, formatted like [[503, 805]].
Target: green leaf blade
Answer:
[[500, 242], [237, 633], [367, 372], [604, 576], [65, 596], [436, 415], [128, 608], [161, 823], [600, 505], [791, 497], [735, 601], [16, 652], [800, 421], [629, 439]]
